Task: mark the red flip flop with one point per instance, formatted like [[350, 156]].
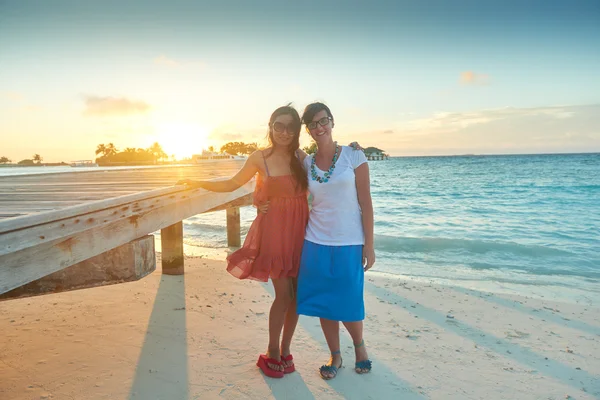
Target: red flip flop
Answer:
[[291, 368], [263, 363]]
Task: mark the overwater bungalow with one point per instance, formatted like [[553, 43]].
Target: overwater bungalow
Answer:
[[375, 154]]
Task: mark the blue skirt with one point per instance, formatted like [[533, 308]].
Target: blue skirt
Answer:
[[331, 282]]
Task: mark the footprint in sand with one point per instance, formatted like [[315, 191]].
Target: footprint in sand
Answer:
[[516, 335]]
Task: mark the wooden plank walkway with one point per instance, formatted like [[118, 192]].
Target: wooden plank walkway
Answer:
[[77, 224], [29, 194]]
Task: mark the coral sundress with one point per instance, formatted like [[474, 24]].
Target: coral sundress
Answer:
[[273, 245]]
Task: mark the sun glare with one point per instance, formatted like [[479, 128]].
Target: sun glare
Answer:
[[182, 139]]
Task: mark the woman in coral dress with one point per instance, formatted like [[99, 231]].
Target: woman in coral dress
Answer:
[[273, 245]]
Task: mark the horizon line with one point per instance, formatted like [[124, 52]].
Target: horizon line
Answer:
[[399, 156]]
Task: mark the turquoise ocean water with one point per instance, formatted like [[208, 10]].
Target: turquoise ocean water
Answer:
[[526, 224]]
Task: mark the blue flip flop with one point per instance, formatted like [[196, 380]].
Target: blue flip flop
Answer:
[[330, 368], [363, 365], [360, 366]]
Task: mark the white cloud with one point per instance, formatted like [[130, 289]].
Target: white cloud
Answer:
[[456, 120], [473, 78], [504, 130], [14, 96], [109, 106]]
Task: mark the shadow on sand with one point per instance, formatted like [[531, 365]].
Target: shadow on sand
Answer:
[[577, 379], [545, 313], [162, 369], [382, 383]]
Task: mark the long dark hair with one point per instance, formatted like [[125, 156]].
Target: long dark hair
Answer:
[[295, 165]]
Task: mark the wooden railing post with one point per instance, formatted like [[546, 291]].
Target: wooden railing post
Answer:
[[234, 238], [171, 243]]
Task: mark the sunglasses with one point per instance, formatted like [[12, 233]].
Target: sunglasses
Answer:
[[323, 121], [291, 129]]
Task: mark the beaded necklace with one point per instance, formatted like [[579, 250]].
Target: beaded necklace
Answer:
[[325, 178]]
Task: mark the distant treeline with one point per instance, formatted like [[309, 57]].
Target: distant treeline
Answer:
[[237, 148], [111, 155], [36, 159]]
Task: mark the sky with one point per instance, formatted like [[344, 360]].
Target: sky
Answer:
[[412, 77]]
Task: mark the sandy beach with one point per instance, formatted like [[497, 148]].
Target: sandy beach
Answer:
[[197, 336]]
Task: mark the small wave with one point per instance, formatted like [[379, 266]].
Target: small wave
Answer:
[[208, 244], [394, 244], [588, 273], [199, 228], [498, 279]]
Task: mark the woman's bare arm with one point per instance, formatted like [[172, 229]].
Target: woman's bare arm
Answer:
[[249, 169], [363, 188]]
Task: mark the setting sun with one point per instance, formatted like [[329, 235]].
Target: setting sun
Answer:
[[182, 139]]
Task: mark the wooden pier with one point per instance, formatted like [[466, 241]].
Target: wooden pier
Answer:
[[51, 222]]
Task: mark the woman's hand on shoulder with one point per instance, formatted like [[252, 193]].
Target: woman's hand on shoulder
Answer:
[[301, 155], [263, 207], [356, 146]]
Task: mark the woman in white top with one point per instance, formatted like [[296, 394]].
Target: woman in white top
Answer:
[[338, 246]]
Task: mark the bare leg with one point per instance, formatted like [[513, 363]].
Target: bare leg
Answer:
[[331, 330], [289, 325], [283, 299], [356, 332]]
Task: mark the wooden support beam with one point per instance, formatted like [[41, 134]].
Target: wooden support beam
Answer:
[[233, 227], [128, 262], [171, 244]]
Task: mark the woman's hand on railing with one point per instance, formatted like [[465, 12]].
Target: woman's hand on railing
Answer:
[[188, 182]]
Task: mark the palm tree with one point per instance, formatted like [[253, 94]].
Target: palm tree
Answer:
[[37, 158], [311, 149], [111, 150], [101, 149], [4, 160], [251, 148], [157, 151]]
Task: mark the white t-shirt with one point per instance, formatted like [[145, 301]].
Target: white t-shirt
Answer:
[[335, 218]]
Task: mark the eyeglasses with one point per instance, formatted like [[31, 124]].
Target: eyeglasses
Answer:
[[323, 121], [292, 129]]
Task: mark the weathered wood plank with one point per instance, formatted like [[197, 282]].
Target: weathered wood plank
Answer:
[[12, 224], [24, 191], [246, 200], [81, 217], [20, 267], [171, 247], [37, 204], [128, 262], [233, 227], [19, 233]]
